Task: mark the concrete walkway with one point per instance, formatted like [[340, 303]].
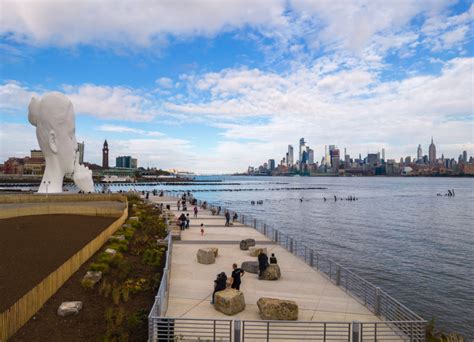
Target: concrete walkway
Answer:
[[191, 283]]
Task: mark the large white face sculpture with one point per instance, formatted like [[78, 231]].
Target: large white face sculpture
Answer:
[[53, 117]]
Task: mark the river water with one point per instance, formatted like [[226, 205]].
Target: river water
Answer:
[[399, 234]]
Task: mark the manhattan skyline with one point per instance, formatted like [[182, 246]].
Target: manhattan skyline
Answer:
[[214, 88]]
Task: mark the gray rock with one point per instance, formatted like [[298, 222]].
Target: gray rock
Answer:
[[255, 251], [133, 219], [245, 244], [92, 277], [69, 308], [111, 251], [206, 256], [277, 309], [117, 238], [250, 266], [229, 301], [272, 272]]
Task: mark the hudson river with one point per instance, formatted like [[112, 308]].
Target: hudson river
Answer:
[[417, 246]]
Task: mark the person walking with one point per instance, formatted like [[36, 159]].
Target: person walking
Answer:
[[237, 274], [219, 284], [179, 205], [227, 218], [182, 220], [187, 221], [195, 211]]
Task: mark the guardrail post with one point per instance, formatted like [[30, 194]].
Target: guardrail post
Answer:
[[377, 301], [291, 245], [355, 331], [237, 330], [265, 229], [311, 258], [255, 223], [338, 275]]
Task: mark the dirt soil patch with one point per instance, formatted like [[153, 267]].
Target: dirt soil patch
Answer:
[[31, 247]]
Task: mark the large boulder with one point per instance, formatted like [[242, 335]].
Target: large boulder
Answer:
[[229, 301], [69, 308], [245, 244], [250, 266], [277, 309], [272, 272], [91, 278], [255, 251], [206, 256]]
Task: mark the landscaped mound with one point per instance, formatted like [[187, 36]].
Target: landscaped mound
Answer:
[[116, 307], [32, 247]]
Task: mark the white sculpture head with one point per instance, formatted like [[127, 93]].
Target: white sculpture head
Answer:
[[53, 117]]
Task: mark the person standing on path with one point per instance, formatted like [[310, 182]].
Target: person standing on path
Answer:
[[202, 229], [195, 211], [182, 220], [187, 221], [237, 274], [179, 205], [227, 218], [262, 263]]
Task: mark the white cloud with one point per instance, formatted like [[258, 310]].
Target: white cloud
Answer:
[[126, 129], [16, 140], [14, 96], [165, 82], [135, 23]]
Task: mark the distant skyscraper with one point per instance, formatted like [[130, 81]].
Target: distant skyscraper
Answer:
[[302, 149], [464, 156], [124, 162], [80, 148], [432, 152], [105, 155], [327, 157], [383, 154], [335, 158], [271, 164], [310, 155], [290, 157], [419, 153], [134, 163]]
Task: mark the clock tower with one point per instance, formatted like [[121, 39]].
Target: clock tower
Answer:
[[105, 155]]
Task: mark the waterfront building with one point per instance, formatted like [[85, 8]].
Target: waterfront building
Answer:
[[419, 153], [271, 164], [37, 154], [432, 152], [335, 158], [105, 155], [290, 156], [372, 159], [80, 148], [464, 156], [123, 162]]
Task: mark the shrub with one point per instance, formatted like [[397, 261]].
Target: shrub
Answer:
[[87, 283], [156, 280], [125, 293], [121, 246], [152, 256], [99, 266], [137, 320]]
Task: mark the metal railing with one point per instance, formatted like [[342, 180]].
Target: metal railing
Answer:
[[160, 304], [397, 321], [192, 329]]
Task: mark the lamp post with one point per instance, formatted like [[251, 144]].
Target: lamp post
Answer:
[[46, 183]]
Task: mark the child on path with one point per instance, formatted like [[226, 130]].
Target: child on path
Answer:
[[195, 212], [202, 229]]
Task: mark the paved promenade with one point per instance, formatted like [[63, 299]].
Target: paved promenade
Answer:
[[191, 283]]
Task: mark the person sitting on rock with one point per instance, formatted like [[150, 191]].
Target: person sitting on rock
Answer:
[[273, 259], [262, 263], [219, 284]]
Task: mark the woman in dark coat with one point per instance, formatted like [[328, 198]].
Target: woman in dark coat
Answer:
[[262, 263]]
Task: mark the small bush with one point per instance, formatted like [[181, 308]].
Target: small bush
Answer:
[[125, 293], [99, 266], [87, 283], [152, 256], [121, 246]]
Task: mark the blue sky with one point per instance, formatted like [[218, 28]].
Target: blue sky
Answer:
[[214, 87]]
